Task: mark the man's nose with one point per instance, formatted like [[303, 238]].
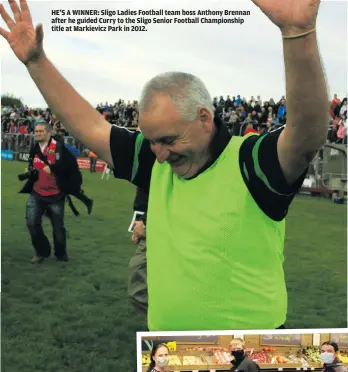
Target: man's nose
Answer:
[[161, 152]]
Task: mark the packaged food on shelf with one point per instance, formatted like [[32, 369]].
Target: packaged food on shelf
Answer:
[[292, 358], [190, 360], [174, 360], [261, 357]]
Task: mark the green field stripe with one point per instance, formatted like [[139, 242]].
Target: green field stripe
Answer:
[[258, 169], [138, 142]]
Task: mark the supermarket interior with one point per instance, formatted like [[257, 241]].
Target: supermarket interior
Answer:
[[272, 352]]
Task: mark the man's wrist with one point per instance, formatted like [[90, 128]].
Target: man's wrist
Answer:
[[297, 32], [36, 60]]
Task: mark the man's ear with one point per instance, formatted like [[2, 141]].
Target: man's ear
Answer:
[[206, 118]]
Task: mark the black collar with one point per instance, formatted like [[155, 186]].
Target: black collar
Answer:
[[218, 144]]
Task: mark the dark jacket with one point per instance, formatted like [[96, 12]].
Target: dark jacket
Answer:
[[245, 365], [66, 169], [141, 200], [336, 366]]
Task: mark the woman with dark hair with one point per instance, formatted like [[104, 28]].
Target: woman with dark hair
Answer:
[[159, 358], [329, 356]]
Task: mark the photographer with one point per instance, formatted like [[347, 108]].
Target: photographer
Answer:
[[52, 174]]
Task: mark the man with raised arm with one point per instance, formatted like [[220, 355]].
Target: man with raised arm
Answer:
[[216, 217]]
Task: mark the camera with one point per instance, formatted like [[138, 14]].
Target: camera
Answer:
[[31, 173]]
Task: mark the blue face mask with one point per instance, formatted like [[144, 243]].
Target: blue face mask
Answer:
[[327, 358]]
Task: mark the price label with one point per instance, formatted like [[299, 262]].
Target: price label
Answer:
[[171, 345]]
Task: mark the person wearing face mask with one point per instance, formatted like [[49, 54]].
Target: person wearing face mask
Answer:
[[240, 361], [329, 356], [159, 358]]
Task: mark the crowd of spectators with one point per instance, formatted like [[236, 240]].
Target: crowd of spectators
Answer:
[[120, 113], [242, 116]]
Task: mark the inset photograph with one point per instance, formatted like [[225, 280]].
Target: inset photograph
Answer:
[[295, 350]]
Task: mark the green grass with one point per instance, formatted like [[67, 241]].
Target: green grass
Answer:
[[76, 317]]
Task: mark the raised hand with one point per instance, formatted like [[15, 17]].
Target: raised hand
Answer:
[[291, 16], [25, 41]]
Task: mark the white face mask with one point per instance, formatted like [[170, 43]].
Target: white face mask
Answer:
[[327, 357], [162, 361]]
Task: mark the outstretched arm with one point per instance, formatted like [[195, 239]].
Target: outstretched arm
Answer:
[[78, 116], [306, 92]]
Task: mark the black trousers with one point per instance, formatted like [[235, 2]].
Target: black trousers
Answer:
[[92, 164], [54, 207]]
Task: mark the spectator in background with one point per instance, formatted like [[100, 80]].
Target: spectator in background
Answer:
[[249, 129], [275, 120], [238, 100], [12, 128], [257, 106], [342, 129], [129, 114], [333, 104], [23, 128], [343, 107], [335, 100], [220, 109], [234, 118], [248, 119], [281, 111], [332, 135], [92, 161], [332, 110], [243, 112], [337, 108], [269, 118], [215, 103], [228, 103], [272, 104], [259, 118], [264, 115]]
